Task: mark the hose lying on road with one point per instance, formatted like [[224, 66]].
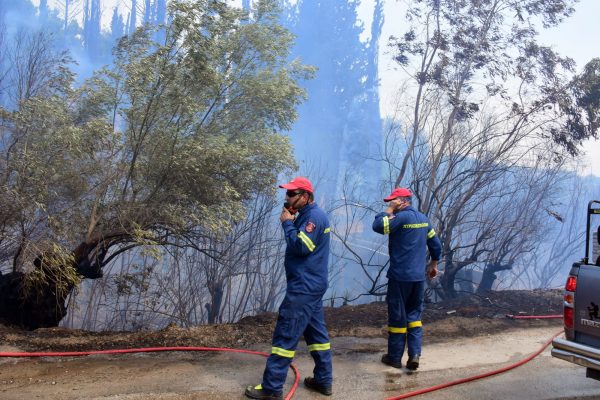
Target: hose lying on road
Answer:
[[480, 376], [533, 316], [150, 350], [296, 373]]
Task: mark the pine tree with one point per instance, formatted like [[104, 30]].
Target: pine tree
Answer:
[[132, 20], [43, 10], [117, 29], [341, 117], [147, 12], [161, 11], [91, 29]]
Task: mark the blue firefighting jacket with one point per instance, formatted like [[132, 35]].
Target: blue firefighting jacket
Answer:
[[411, 234], [307, 252]]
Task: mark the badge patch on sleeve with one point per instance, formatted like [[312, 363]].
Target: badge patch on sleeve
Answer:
[[309, 227]]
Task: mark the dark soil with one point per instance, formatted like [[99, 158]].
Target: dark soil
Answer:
[[466, 316]]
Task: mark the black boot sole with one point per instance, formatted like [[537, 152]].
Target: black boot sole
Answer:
[[324, 390]]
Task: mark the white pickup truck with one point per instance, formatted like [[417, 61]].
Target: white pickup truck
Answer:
[[581, 344]]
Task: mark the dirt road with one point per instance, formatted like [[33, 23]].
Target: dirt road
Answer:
[[179, 375]]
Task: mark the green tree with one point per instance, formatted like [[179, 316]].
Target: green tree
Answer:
[[342, 113], [161, 149], [581, 105]]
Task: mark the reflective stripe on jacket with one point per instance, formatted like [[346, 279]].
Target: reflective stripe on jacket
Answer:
[[307, 252], [411, 234]]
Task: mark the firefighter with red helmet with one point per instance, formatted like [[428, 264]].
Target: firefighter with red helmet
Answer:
[[410, 235], [301, 313]]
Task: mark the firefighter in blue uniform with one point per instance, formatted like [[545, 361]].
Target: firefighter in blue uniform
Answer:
[[410, 234], [301, 312]]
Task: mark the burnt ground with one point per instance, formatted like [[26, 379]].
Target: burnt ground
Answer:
[[468, 316]]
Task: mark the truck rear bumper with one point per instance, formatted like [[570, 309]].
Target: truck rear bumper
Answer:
[[583, 355]]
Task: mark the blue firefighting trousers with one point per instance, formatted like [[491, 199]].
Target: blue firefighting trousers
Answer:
[[405, 306], [298, 314]]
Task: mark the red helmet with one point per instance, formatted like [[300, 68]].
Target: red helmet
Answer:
[[398, 192], [298, 182]]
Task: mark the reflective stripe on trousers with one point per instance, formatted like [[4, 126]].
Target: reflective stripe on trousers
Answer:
[[405, 306], [299, 314]]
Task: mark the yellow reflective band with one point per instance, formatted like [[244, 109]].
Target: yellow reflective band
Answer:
[[413, 226], [430, 234], [391, 329], [319, 346], [306, 240], [415, 324], [258, 387], [327, 230], [386, 225], [282, 352]]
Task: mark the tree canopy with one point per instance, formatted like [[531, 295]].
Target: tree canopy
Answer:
[[486, 111], [159, 149]]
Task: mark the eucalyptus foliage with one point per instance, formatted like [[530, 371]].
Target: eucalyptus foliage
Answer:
[[473, 52], [488, 110]]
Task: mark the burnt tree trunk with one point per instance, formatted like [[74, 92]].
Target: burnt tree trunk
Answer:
[[46, 305], [448, 279], [489, 276], [216, 290], [29, 310]]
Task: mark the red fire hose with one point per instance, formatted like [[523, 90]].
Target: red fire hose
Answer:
[[149, 350], [533, 316], [486, 374], [296, 373]]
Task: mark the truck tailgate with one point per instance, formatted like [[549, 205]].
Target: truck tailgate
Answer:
[[587, 304]]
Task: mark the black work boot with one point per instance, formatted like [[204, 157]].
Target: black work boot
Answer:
[[317, 387], [412, 363], [386, 360], [257, 392]]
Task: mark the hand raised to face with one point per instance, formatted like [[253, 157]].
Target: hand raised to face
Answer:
[[396, 205], [285, 215]]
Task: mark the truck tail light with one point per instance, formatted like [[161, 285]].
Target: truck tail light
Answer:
[[569, 301], [568, 298], [571, 284], [568, 317]]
